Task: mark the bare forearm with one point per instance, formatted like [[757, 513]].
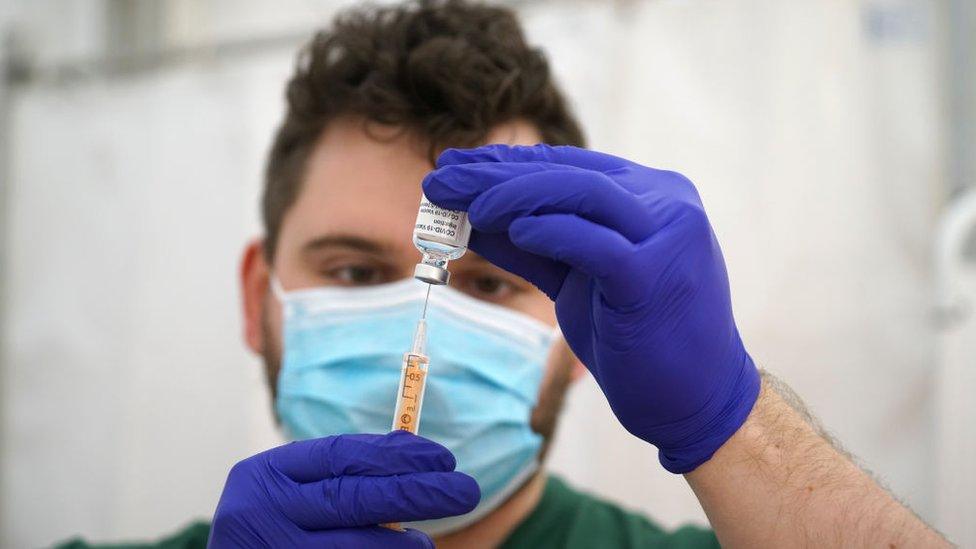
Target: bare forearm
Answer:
[[779, 482]]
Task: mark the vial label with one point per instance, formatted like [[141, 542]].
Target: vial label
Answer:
[[445, 226]]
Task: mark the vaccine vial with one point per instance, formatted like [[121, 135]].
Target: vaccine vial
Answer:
[[440, 235]]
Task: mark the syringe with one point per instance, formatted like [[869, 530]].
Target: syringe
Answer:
[[413, 379], [441, 236]]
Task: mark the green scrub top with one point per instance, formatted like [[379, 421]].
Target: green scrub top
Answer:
[[565, 519]]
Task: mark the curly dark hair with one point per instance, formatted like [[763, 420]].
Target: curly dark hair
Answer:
[[447, 70]]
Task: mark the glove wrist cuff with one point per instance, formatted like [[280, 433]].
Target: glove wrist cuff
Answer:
[[699, 446]]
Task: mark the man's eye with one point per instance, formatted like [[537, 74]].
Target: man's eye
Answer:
[[356, 275], [491, 287]]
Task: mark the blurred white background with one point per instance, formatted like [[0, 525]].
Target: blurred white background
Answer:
[[830, 141]]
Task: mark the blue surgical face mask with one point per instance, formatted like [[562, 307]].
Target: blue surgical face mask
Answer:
[[343, 349]]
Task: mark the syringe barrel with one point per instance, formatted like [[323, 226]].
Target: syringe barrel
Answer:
[[410, 395]]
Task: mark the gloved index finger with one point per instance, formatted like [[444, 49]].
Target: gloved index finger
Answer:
[[364, 500], [393, 453], [455, 186], [495, 194], [560, 154]]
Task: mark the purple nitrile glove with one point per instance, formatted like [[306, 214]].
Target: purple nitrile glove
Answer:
[[641, 290], [335, 491]]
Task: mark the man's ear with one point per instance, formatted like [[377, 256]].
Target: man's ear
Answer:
[[579, 370], [562, 362], [575, 365], [254, 273]]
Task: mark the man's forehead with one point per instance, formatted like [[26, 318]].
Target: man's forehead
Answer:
[[368, 184], [357, 185], [384, 155], [349, 163]]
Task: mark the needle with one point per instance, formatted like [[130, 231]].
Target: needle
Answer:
[[423, 315]]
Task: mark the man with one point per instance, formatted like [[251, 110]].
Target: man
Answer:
[[619, 255]]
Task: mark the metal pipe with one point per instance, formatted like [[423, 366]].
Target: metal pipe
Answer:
[[956, 230], [961, 72], [151, 56]]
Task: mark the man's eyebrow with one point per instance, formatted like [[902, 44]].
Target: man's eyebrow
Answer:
[[344, 241]]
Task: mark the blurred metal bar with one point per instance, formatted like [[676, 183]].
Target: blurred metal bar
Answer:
[[956, 229], [5, 223], [136, 29], [962, 95], [110, 67]]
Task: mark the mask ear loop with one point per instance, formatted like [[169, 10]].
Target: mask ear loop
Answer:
[[277, 290]]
